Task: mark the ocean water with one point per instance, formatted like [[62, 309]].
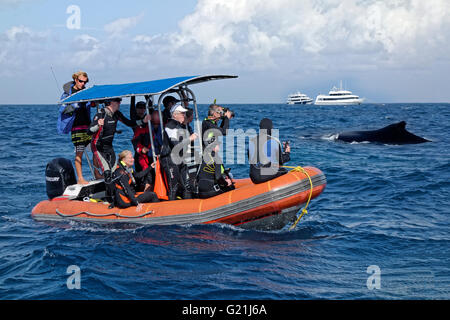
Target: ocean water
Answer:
[[380, 230]]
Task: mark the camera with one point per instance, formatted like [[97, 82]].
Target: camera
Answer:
[[225, 109]]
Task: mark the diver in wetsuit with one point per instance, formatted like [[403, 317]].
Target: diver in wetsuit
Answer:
[[127, 182], [103, 127], [265, 154], [210, 125], [176, 140], [213, 178]]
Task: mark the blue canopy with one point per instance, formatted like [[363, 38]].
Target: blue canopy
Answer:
[[101, 92]]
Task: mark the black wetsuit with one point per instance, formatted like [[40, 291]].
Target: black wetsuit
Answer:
[[126, 183], [211, 177], [212, 129], [265, 155], [174, 134], [191, 165], [102, 141], [261, 168], [166, 115]]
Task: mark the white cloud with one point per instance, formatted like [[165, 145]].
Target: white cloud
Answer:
[[86, 41], [17, 34], [306, 40], [86, 48], [252, 34], [119, 26], [282, 35], [21, 49]]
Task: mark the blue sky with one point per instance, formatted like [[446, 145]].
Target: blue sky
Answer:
[[385, 51], [44, 14]]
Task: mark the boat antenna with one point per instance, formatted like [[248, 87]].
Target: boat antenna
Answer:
[[56, 81]]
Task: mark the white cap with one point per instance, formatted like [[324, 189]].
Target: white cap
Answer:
[[178, 107]]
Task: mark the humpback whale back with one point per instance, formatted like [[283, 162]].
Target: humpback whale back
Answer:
[[392, 134]]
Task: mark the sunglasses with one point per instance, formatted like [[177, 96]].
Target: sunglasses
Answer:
[[83, 81]]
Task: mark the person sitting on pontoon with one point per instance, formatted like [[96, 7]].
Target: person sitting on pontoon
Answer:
[[213, 178], [127, 184], [265, 154]]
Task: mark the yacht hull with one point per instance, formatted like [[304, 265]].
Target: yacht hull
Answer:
[[339, 103]]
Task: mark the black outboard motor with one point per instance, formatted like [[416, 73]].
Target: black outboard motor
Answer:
[[59, 174]]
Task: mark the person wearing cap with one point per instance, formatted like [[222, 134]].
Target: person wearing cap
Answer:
[[213, 178], [168, 102], [210, 125], [82, 119], [176, 140], [103, 128], [265, 154]]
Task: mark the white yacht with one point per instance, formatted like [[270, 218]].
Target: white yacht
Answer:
[[299, 98], [338, 97]]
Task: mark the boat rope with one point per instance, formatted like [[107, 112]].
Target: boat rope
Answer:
[[304, 211], [102, 215]]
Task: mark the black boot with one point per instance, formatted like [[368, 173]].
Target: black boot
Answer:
[[109, 188], [173, 190], [172, 195]]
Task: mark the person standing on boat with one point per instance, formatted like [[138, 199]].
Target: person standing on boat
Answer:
[[140, 138], [176, 140], [103, 127], [265, 154], [189, 158], [157, 135], [127, 183], [79, 132], [168, 103], [135, 114], [210, 126], [142, 144]]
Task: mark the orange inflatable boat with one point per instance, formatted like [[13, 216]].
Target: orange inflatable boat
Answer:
[[267, 206], [270, 205]]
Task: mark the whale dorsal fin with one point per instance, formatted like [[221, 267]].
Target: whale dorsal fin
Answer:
[[401, 124]]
